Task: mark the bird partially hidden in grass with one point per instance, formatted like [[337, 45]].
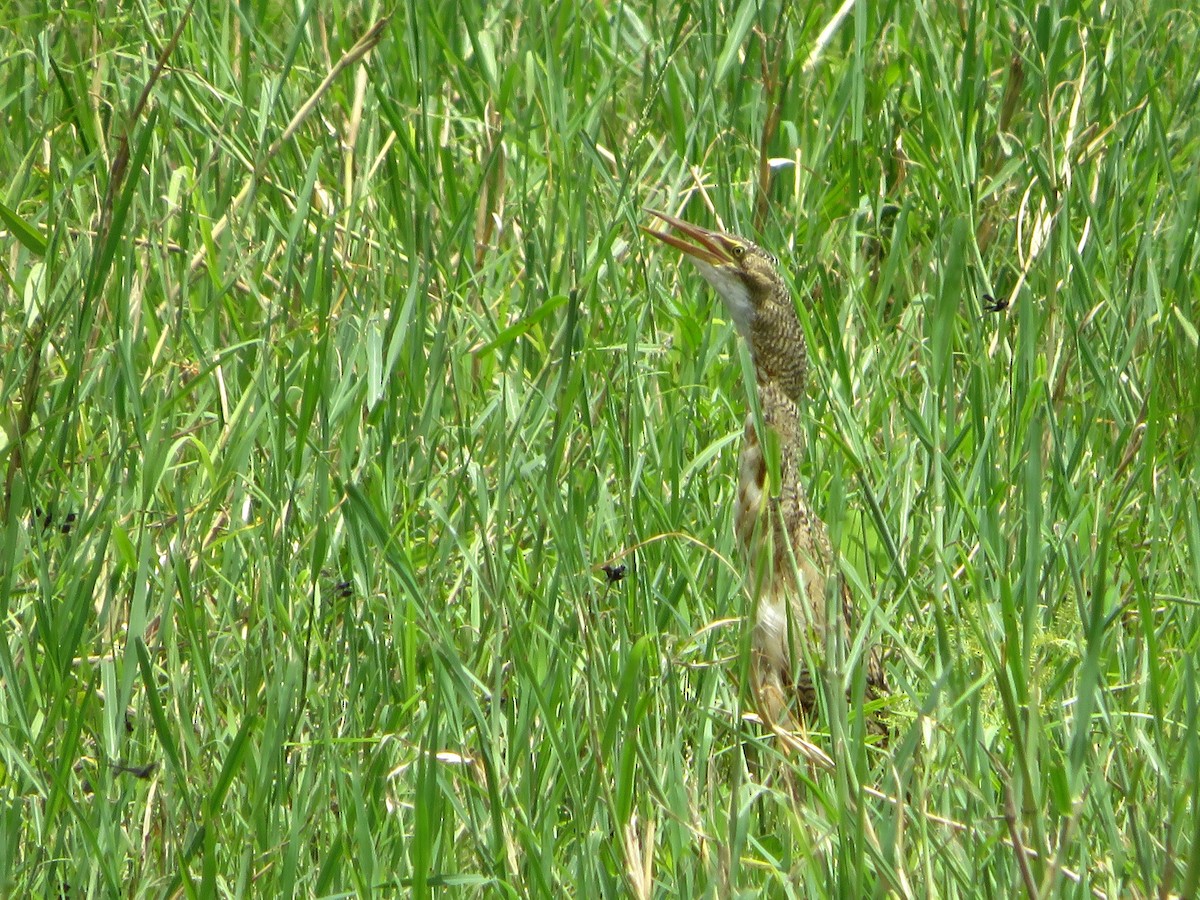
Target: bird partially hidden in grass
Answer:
[[785, 546]]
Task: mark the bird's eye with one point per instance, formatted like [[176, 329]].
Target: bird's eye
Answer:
[[738, 251]]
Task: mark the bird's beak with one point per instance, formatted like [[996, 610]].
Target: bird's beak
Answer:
[[707, 246]]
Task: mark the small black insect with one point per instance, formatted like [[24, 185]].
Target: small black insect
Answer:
[[136, 771], [992, 305], [338, 587], [613, 573], [47, 519]]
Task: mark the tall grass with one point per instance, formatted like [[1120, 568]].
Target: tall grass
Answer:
[[327, 388]]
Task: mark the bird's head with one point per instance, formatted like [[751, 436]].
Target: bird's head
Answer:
[[745, 275], [748, 279]]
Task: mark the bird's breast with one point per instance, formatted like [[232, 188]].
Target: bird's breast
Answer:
[[747, 508], [784, 546]]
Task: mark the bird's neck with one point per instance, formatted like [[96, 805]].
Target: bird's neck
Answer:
[[780, 411], [778, 349]]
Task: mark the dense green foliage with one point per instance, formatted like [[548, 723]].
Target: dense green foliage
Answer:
[[314, 438]]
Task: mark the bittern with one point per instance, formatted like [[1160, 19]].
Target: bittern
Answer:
[[786, 548]]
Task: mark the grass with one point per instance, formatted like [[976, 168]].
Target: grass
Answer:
[[320, 408]]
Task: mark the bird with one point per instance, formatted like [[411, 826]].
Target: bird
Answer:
[[788, 557]]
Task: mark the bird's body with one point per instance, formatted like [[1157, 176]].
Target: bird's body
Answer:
[[789, 559]]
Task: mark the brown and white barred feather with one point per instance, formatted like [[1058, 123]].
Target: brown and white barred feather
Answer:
[[789, 564], [786, 546]]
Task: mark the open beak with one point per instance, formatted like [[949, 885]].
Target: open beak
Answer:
[[705, 246]]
